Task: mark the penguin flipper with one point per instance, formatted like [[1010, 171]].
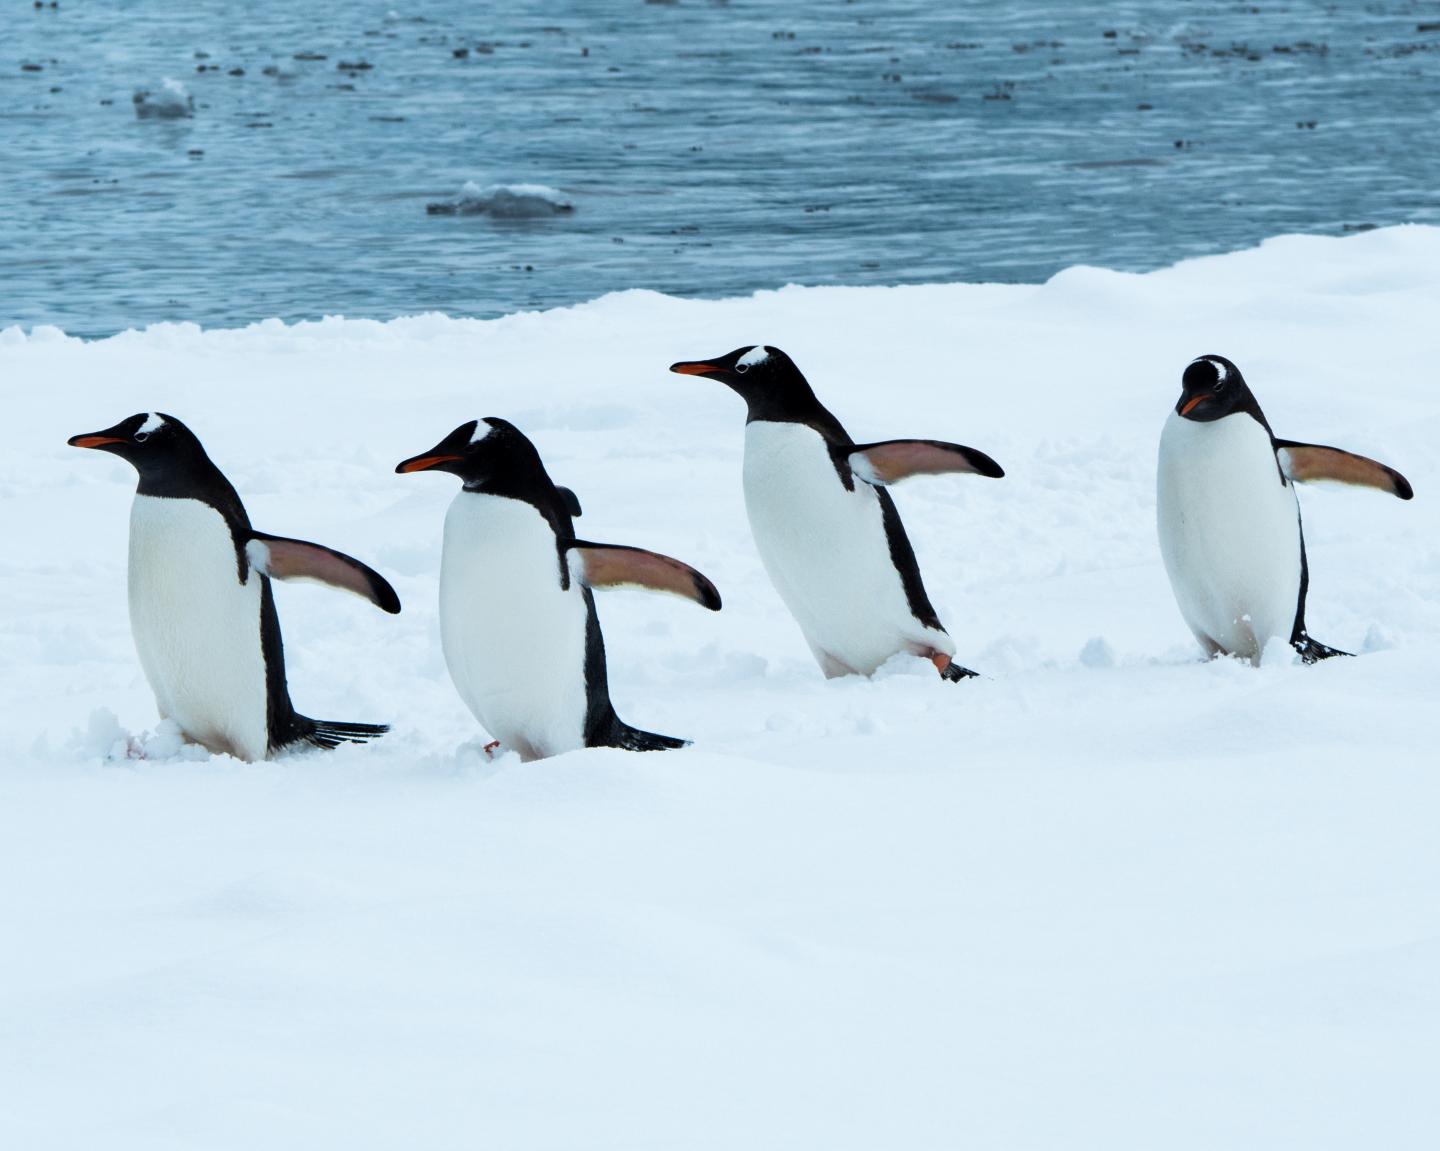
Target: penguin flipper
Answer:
[[891, 461], [615, 565], [287, 559], [1308, 463]]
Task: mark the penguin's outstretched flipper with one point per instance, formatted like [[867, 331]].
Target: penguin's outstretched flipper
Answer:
[[288, 559], [891, 461], [615, 565], [1312, 463]]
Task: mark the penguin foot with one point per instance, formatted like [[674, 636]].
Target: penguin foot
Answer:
[[1312, 651], [950, 671]]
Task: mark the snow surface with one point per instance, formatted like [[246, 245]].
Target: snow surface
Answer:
[[1109, 896]]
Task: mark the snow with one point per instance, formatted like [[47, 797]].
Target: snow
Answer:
[[1108, 896]]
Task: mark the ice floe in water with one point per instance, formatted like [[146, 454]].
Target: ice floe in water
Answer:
[[171, 102], [504, 202]]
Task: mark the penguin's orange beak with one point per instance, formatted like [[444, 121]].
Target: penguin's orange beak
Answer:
[[423, 463], [1193, 404], [93, 441], [696, 368]]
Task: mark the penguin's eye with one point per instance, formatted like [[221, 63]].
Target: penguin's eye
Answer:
[[742, 368], [141, 437], [1220, 384]]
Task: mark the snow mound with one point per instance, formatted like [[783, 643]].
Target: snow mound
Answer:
[[504, 202]]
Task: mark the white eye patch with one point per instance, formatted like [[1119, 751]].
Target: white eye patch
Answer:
[[153, 423], [482, 431], [756, 355]]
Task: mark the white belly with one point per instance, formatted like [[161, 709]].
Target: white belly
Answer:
[[514, 641], [196, 627], [1229, 533], [826, 552]]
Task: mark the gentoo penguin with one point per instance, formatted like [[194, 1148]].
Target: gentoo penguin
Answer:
[[1228, 518], [826, 528], [201, 607], [517, 617]]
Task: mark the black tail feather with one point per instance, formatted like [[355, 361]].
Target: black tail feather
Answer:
[[1313, 651], [622, 735], [331, 733]]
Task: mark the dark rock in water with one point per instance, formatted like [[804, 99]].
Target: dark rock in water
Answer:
[[32, 67], [171, 102], [504, 202], [311, 56], [354, 66], [460, 53], [237, 71]]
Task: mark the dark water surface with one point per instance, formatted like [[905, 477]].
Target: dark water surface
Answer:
[[707, 148]]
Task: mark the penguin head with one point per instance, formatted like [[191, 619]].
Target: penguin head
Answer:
[[765, 377], [1213, 387], [490, 454], [156, 444]]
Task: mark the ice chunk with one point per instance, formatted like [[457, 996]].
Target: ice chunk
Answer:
[[171, 102], [504, 202]]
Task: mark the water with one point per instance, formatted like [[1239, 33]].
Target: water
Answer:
[[707, 148]]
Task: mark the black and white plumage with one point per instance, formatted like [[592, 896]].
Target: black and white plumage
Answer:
[[518, 623], [201, 607], [824, 524], [1228, 518]]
